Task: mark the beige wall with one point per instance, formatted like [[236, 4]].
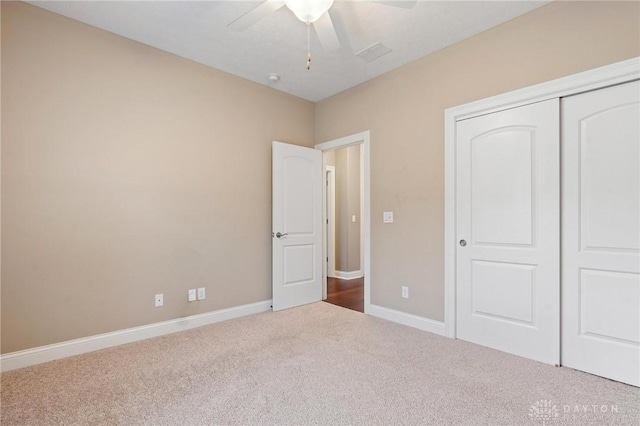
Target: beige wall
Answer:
[[126, 172], [347, 162], [404, 110]]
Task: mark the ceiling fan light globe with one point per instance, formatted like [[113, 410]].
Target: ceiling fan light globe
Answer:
[[308, 10]]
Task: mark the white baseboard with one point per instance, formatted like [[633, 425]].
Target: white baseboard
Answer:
[[348, 275], [20, 359], [425, 324]]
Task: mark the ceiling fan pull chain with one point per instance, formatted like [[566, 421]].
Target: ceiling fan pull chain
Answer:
[[308, 45]]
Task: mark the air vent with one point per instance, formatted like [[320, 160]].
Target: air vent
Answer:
[[372, 53]]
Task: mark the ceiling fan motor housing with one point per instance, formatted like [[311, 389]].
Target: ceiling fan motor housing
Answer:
[[308, 10]]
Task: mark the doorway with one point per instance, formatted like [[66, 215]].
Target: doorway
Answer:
[[344, 205], [346, 221]]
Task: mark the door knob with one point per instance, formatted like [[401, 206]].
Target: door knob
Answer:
[[279, 235], [463, 243]]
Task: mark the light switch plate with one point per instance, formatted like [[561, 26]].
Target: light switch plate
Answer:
[[192, 295], [353, 218], [202, 294], [387, 217]]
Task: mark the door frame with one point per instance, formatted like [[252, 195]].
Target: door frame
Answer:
[[619, 72], [363, 139]]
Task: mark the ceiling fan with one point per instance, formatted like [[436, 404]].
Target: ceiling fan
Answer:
[[310, 12]]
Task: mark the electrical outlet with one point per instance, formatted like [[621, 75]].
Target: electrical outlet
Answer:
[[405, 292], [202, 294], [192, 295], [159, 300]]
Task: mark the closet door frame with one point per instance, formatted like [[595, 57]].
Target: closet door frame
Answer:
[[620, 72]]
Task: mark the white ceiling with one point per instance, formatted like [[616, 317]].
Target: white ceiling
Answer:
[[197, 30]]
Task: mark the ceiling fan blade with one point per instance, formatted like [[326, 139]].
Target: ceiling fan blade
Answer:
[[327, 33], [405, 4], [256, 14]]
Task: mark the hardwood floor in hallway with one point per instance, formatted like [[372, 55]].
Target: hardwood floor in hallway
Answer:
[[346, 293]]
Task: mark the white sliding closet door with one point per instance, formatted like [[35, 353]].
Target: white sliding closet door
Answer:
[[601, 232], [508, 220]]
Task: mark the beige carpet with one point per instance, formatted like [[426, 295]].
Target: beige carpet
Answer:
[[318, 364]]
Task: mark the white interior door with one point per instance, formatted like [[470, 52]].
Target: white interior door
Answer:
[[297, 225], [508, 219], [601, 232]]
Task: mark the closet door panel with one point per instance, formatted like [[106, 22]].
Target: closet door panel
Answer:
[[508, 231], [601, 232]]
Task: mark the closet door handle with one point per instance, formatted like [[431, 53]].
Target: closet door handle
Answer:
[[463, 243]]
